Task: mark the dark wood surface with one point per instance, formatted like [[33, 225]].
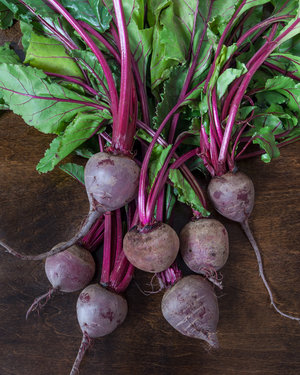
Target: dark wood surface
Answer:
[[38, 211]]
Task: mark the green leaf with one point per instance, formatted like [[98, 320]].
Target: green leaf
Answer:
[[81, 128], [88, 61], [74, 170], [266, 140], [26, 30], [7, 55], [6, 17], [173, 23], [170, 201], [227, 77], [185, 193], [103, 16], [50, 56], [158, 156], [283, 7], [288, 87], [279, 82], [171, 91], [290, 59], [3, 106], [223, 57], [47, 106], [92, 12], [19, 10]]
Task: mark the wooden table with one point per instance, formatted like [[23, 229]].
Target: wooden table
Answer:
[[38, 211]]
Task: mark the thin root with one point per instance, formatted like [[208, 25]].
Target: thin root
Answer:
[[85, 344], [37, 303], [250, 237], [89, 221], [212, 275]]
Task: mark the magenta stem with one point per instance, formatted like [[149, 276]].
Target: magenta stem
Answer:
[[170, 276], [126, 280], [221, 42], [160, 205], [106, 69], [282, 71], [75, 80], [268, 48], [119, 235], [101, 38], [216, 115], [191, 70], [107, 250], [143, 174], [120, 128], [159, 182], [260, 152], [88, 241]]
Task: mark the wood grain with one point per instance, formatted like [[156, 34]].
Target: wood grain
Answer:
[[37, 211]]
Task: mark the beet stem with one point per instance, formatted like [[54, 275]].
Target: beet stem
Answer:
[[89, 221], [247, 230], [37, 305], [85, 344]]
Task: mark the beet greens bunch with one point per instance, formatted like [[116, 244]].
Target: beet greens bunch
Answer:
[[153, 94]]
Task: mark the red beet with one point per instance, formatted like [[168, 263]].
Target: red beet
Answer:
[[152, 250], [232, 195], [111, 181], [99, 312], [204, 246], [191, 307], [68, 271]]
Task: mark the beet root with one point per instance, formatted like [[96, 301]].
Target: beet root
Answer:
[[68, 271], [204, 246], [191, 307], [99, 312], [152, 250], [111, 181], [232, 195]]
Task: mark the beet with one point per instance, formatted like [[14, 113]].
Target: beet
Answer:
[[232, 195], [153, 249], [204, 245], [111, 181], [68, 271], [99, 312], [191, 307]]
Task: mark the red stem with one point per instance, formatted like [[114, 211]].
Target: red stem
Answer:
[[121, 127], [221, 42], [97, 52], [282, 71], [107, 249]]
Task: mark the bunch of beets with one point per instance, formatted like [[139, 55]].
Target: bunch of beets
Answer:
[[152, 116]]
